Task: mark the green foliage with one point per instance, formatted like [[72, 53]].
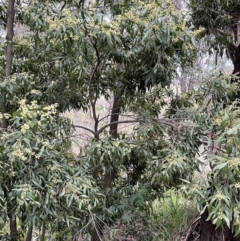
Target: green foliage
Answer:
[[219, 20], [70, 56], [168, 219], [72, 51], [171, 216], [138, 229], [214, 14], [143, 165], [218, 192], [39, 179], [152, 103]]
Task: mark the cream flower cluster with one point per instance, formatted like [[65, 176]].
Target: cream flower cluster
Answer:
[[33, 117]]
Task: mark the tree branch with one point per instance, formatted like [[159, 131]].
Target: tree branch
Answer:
[[116, 114], [91, 98], [212, 146], [85, 128], [43, 231], [93, 102], [162, 121], [192, 227], [9, 54], [139, 120], [167, 122]]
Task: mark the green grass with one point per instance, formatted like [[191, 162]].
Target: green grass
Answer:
[[172, 216]]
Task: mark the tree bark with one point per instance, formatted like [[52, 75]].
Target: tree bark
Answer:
[[96, 235], [209, 232], [8, 68], [113, 131], [233, 53], [9, 37], [13, 227], [9, 53], [29, 234], [43, 232]]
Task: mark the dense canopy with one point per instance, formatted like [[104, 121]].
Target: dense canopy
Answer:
[[62, 57]]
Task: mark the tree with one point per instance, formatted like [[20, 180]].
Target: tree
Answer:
[[39, 179], [220, 20], [71, 55], [128, 51]]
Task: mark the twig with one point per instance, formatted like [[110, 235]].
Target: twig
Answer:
[[95, 227], [212, 146], [93, 102], [98, 132], [85, 128], [192, 227], [118, 122]]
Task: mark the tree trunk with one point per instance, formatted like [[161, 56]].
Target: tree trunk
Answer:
[[4, 124], [233, 53], [13, 227], [96, 235], [9, 54], [209, 232], [113, 131], [43, 232], [29, 234], [108, 178], [9, 37]]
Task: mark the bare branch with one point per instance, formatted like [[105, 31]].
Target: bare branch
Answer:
[[85, 128], [212, 146], [167, 122], [9, 53], [109, 115], [192, 227], [92, 99], [118, 122], [162, 121], [96, 227]]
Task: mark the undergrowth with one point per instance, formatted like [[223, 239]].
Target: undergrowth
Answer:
[[171, 217]]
